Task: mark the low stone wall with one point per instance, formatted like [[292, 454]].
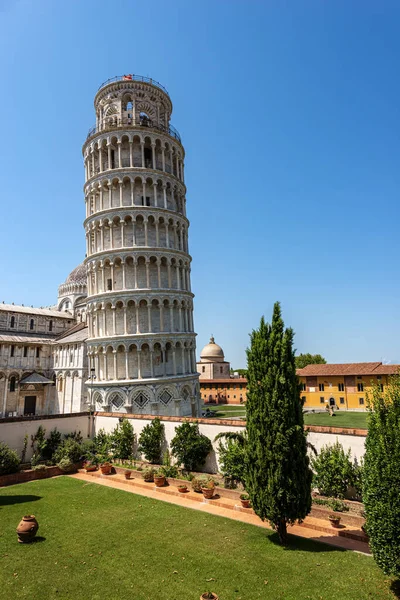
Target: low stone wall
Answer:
[[29, 475], [13, 430]]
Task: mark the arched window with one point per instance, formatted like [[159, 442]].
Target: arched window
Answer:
[[51, 325], [12, 384], [32, 324], [12, 324]]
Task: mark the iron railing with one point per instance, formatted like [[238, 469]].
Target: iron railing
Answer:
[[115, 123], [132, 77]]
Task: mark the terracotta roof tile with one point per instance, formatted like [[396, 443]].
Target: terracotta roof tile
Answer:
[[372, 368]]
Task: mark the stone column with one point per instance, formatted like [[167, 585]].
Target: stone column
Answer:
[[115, 364], [131, 154], [126, 364], [138, 364]]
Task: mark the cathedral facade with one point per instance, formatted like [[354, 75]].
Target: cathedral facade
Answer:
[[122, 336]]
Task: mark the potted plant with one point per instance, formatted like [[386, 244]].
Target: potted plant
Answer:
[[334, 520], [148, 474], [89, 466], [209, 596], [159, 478], [128, 474], [245, 500], [201, 482], [208, 489], [182, 488]]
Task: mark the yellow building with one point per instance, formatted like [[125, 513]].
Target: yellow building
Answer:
[[342, 385]]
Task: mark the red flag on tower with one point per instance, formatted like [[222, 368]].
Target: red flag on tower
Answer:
[[127, 77]]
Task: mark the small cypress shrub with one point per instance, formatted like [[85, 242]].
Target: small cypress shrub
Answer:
[[190, 447]]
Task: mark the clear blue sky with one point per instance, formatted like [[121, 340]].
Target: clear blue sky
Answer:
[[289, 113]]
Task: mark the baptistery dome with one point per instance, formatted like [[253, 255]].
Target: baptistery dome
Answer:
[[78, 275], [212, 352]]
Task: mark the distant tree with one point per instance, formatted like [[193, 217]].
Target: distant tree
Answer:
[[241, 372], [302, 360], [381, 476], [278, 476]]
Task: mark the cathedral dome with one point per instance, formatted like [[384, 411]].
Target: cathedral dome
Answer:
[[78, 275], [212, 352]]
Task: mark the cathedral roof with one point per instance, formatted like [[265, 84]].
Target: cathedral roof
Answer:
[[78, 275], [212, 352]]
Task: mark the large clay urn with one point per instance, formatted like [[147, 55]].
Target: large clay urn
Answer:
[[27, 529]]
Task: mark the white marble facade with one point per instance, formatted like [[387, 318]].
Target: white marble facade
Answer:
[[121, 337]]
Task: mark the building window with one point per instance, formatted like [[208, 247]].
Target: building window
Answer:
[[359, 376], [12, 384], [321, 387], [341, 387], [303, 387], [71, 358], [12, 324], [361, 401], [220, 369], [379, 377], [203, 369], [322, 400], [37, 352], [12, 350], [32, 324], [341, 400], [240, 387], [360, 387], [380, 387], [25, 351], [51, 325], [234, 396], [109, 284]]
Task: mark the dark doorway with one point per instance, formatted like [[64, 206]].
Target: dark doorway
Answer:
[[30, 405]]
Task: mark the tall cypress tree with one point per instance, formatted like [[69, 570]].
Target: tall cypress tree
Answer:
[[278, 476], [381, 476]]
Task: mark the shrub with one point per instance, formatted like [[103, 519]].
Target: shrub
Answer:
[[9, 460], [39, 445], [52, 443], [150, 441], [66, 465], [102, 441], [41, 468], [231, 459], [69, 449], [122, 440], [334, 471], [190, 447], [74, 435]]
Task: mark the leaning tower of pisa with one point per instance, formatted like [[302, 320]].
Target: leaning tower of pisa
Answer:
[[141, 342]]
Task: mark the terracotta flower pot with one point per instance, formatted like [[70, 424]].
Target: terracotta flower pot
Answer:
[[128, 474], [335, 521], [208, 492], [245, 503], [159, 481], [27, 529], [90, 468], [206, 596], [182, 489], [106, 468]]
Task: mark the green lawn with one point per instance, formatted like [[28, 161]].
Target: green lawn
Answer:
[[98, 543], [226, 410], [341, 419]]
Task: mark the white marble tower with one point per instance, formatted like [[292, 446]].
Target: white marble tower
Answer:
[[141, 342]]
